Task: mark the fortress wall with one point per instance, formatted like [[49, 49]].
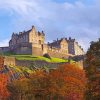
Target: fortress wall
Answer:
[[54, 52], [37, 51], [4, 49], [45, 48], [12, 61], [36, 64], [24, 50], [9, 61], [57, 54]]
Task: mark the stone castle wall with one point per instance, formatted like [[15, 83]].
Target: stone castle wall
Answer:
[[57, 54], [53, 52], [40, 50], [36, 64], [37, 51], [33, 42], [4, 49], [24, 50], [13, 62], [9, 61]]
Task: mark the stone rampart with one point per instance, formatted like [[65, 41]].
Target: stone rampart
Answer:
[[57, 54], [25, 48], [9, 61], [37, 51], [37, 63]]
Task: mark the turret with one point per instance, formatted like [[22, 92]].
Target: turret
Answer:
[[33, 28], [43, 33], [69, 38]]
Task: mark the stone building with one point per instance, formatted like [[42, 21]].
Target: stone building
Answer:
[[74, 48], [33, 42]]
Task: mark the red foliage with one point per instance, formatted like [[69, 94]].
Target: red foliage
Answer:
[[69, 82], [1, 62], [3, 83]]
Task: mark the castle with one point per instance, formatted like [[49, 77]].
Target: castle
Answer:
[[33, 43]]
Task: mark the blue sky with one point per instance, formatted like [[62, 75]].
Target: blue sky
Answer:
[[79, 19]]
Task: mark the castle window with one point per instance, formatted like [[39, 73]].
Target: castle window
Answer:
[[42, 46], [39, 41]]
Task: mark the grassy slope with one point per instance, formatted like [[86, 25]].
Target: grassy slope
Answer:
[[18, 71], [32, 58]]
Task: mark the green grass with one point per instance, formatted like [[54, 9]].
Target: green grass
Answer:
[[32, 58]]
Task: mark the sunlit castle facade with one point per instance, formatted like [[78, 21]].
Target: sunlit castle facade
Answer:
[[33, 42]]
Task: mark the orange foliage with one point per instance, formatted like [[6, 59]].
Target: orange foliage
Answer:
[[1, 62], [3, 83], [68, 81]]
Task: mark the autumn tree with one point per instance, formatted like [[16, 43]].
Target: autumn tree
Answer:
[[68, 82], [27, 88], [3, 90], [93, 71], [3, 81], [1, 62]]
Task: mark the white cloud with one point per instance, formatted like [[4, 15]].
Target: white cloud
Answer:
[[19, 6], [77, 19], [4, 43]]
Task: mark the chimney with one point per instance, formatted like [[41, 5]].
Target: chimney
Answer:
[[69, 38], [33, 27], [48, 43], [43, 33]]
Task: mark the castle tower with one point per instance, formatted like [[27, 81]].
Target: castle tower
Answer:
[[13, 41], [41, 37], [71, 49], [74, 48], [33, 35], [64, 46], [36, 37]]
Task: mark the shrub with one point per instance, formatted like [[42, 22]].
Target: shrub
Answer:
[[47, 56]]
